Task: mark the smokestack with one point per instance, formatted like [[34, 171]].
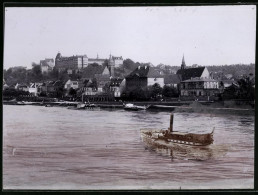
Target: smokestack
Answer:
[[171, 122]]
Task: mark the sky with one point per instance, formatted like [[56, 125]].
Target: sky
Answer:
[[205, 35]]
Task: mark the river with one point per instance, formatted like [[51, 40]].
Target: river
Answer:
[[56, 148]]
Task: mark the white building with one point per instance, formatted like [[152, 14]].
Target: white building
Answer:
[[199, 87], [47, 65], [71, 84], [35, 88]]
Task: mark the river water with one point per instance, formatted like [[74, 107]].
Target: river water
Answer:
[[57, 148]]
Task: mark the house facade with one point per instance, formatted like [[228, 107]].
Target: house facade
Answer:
[[21, 87], [35, 88], [196, 81], [117, 86], [71, 84], [115, 61], [72, 63], [199, 87], [142, 77], [46, 65], [79, 62]]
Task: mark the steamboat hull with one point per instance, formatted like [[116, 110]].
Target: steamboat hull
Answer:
[[178, 137]]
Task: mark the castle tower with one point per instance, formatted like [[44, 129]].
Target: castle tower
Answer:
[[183, 66], [111, 65]]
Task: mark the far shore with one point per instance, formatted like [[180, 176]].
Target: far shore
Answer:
[[185, 106]]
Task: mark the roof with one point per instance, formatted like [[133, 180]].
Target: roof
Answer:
[[190, 72], [172, 79], [145, 71], [91, 70], [100, 77], [117, 58], [21, 85], [115, 82], [46, 62], [96, 59], [34, 85], [58, 83], [90, 84]]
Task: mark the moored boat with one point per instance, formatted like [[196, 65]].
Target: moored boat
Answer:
[[134, 107], [84, 106], [20, 103]]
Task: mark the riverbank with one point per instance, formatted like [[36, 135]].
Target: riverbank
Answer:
[[229, 107]]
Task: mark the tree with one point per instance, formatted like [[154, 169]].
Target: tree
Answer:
[[138, 94], [129, 64], [54, 74], [155, 91], [72, 92], [36, 73], [168, 91], [36, 70], [246, 90], [105, 63]]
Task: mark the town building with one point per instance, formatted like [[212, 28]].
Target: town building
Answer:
[[76, 63], [142, 77], [172, 80], [97, 60], [117, 86], [71, 84], [53, 88], [71, 63], [199, 87], [196, 81], [103, 81], [89, 88], [35, 88], [115, 61], [46, 65], [188, 73], [21, 87], [93, 69]]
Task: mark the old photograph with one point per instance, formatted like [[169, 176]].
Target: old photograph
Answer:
[[129, 98]]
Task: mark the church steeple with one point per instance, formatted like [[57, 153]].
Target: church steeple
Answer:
[[183, 66]]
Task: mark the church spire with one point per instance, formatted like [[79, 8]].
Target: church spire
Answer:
[[183, 66]]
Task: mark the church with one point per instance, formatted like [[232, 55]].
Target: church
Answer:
[[196, 81]]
